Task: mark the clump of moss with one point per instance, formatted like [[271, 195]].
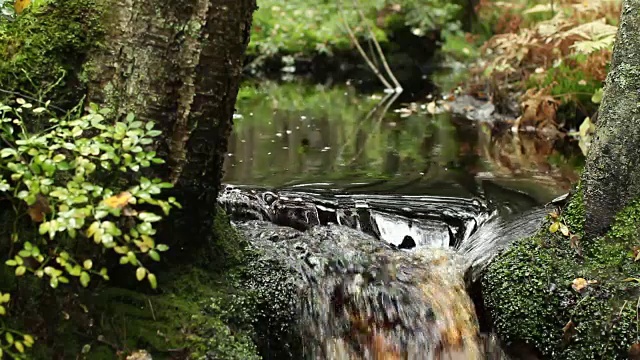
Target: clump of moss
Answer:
[[574, 214], [528, 290], [43, 50], [190, 319]]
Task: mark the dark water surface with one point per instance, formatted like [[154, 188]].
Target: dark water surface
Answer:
[[302, 136]]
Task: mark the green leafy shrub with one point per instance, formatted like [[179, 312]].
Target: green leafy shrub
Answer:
[[76, 196], [302, 27]]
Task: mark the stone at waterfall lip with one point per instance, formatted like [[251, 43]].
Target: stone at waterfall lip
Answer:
[[560, 200]]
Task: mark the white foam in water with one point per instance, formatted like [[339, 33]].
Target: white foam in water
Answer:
[[393, 229]]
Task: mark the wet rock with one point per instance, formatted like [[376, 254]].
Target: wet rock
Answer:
[[407, 243], [345, 294], [474, 109]]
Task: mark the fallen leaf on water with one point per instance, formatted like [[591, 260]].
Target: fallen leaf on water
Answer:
[[118, 201]]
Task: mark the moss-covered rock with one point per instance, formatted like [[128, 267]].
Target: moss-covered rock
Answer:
[[43, 50], [536, 294], [186, 319]]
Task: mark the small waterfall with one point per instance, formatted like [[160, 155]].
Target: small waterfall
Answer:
[[425, 220], [361, 299], [392, 306], [495, 235], [404, 297]]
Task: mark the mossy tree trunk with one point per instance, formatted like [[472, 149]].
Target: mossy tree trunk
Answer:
[[177, 63], [611, 179]]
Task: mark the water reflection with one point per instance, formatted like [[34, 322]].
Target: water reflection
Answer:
[[291, 134]]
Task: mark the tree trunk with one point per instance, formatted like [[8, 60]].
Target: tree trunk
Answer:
[[612, 175], [177, 63]]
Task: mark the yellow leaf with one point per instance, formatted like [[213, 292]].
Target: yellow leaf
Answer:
[[140, 273], [20, 5], [20, 270], [152, 280], [579, 284], [19, 346], [118, 201], [28, 340], [554, 227]]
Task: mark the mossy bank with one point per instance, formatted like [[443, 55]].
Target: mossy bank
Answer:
[[198, 311], [570, 299]]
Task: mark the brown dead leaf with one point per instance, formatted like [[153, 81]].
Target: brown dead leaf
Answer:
[[539, 109], [634, 352], [118, 201], [575, 244], [39, 209], [568, 331], [636, 253]]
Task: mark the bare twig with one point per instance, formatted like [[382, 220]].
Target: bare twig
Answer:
[[385, 64], [15, 93], [153, 314], [354, 40]]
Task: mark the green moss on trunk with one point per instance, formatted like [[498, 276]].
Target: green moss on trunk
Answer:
[[611, 178]]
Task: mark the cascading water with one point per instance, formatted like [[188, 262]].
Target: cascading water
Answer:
[[497, 233], [366, 299]]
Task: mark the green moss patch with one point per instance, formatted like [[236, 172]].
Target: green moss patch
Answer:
[[195, 315], [43, 50], [532, 295]]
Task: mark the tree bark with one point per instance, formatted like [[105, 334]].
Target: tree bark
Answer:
[[611, 179], [178, 63]]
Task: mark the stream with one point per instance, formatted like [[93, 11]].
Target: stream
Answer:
[[387, 211]]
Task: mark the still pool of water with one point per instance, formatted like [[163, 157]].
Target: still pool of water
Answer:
[[297, 135]]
